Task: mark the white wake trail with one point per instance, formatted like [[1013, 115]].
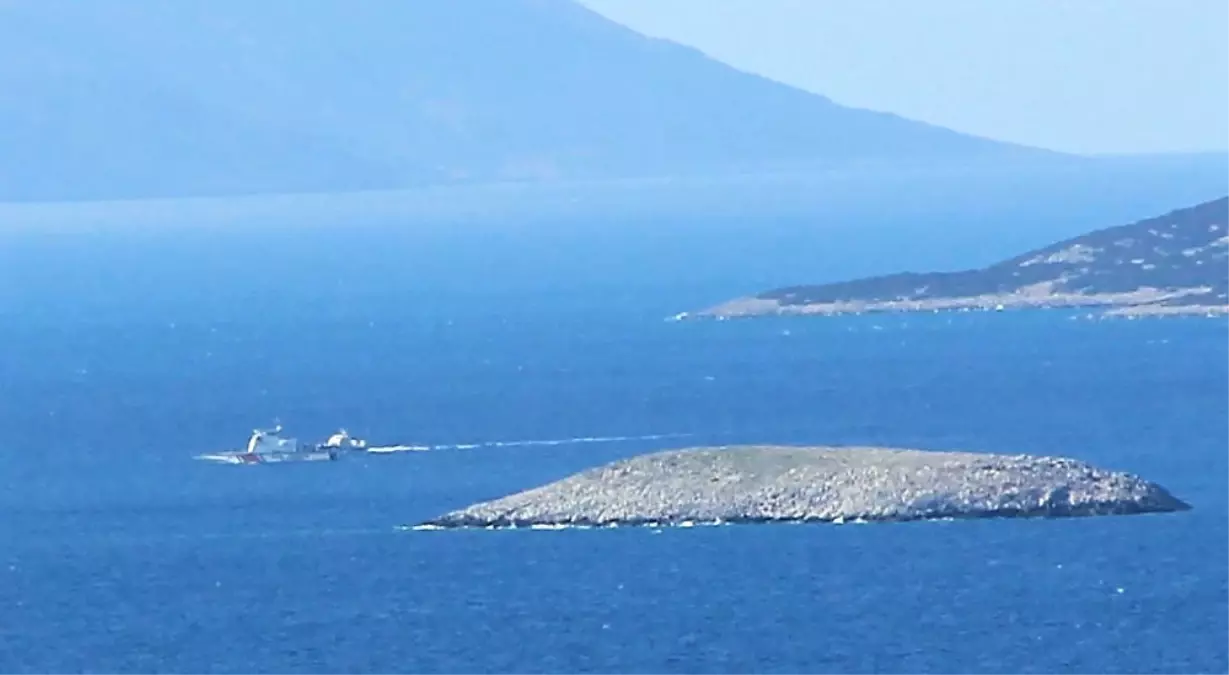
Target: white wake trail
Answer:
[[384, 449]]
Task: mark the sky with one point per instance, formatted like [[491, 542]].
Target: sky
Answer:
[[1083, 76]]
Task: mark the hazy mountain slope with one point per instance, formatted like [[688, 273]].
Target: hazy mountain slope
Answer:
[[86, 115], [219, 96]]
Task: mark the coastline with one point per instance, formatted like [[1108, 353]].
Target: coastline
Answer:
[[1141, 303]]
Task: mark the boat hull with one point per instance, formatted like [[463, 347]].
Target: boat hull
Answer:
[[269, 446], [271, 457]]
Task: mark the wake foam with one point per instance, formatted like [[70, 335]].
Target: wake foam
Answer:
[[385, 449]]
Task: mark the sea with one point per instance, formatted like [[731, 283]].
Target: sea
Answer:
[[505, 354]]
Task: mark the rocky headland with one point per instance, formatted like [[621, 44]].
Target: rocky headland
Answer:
[[1175, 264], [755, 484]]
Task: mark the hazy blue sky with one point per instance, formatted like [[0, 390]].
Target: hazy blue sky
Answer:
[[1088, 76]]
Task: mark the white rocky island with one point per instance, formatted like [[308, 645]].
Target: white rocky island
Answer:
[[744, 484]]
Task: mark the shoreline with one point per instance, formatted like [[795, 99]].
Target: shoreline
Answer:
[[1106, 307]]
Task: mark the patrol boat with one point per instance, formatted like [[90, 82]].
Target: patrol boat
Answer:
[[268, 446]]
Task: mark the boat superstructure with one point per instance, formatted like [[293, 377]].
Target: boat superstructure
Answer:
[[344, 441], [269, 446]]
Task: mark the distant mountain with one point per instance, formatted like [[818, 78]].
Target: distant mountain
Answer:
[[1172, 264], [215, 97]]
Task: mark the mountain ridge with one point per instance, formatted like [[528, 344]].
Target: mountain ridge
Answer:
[[196, 98]]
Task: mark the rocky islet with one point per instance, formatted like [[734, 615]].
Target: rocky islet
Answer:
[[760, 484]]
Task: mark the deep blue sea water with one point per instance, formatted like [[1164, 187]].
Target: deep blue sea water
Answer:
[[123, 355]]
